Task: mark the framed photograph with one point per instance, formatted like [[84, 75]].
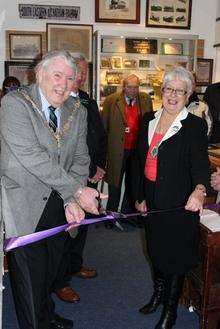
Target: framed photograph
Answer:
[[113, 45], [168, 48], [23, 71], [23, 45], [129, 63], [114, 78], [116, 62], [105, 63], [117, 11], [75, 38], [144, 63], [175, 14], [204, 70]]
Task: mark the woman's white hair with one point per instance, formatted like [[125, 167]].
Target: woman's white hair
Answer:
[[182, 74]]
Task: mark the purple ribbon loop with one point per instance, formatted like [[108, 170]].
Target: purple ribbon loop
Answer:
[[20, 241]]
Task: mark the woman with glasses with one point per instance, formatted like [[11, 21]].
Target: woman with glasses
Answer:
[[170, 182]]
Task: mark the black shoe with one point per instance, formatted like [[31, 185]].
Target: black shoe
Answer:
[[156, 298], [60, 323]]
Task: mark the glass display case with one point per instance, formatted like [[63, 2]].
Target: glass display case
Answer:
[[146, 55]]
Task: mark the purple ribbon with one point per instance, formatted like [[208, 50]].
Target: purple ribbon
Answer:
[[16, 242], [20, 241]]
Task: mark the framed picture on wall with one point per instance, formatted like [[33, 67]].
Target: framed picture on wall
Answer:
[[23, 45], [116, 62], [117, 11], [168, 48], [23, 71], [204, 70], [75, 38], [175, 14]]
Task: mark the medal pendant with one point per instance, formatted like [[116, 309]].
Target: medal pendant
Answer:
[[127, 130], [154, 151]]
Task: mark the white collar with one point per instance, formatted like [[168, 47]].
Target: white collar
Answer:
[[173, 129]]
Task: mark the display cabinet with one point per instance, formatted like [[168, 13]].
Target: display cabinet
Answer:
[[146, 55]]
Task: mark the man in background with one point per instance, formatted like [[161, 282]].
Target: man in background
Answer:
[[212, 98], [122, 112], [97, 145]]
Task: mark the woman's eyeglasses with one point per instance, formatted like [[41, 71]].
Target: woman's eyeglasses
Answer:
[[170, 91]]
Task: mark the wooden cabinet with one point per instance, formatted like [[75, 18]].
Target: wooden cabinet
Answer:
[[202, 286]]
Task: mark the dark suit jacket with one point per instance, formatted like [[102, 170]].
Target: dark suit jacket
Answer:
[[212, 98], [182, 162], [96, 135]]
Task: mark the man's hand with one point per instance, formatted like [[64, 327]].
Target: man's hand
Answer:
[[74, 214], [98, 175], [215, 180], [87, 199]]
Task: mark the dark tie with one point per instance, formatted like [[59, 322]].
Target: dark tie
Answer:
[[130, 102], [53, 118]]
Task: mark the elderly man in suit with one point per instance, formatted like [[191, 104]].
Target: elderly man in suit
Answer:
[[121, 115], [44, 166]]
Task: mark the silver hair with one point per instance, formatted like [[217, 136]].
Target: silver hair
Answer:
[[130, 77], [46, 59], [179, 73]]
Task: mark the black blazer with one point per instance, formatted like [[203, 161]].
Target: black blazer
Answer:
[[96, 135], [182, 162], [212, 98]]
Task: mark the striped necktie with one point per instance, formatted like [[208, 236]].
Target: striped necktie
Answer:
[[53, 118]]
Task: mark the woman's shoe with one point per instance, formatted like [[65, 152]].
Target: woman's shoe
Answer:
[[156, 298]]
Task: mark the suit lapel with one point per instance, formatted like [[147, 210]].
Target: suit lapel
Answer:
[[120, 103]]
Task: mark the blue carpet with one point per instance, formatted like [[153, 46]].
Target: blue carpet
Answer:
[[112, 299]]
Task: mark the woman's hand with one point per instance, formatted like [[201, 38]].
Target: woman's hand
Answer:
[[141, 207], [196, 200]]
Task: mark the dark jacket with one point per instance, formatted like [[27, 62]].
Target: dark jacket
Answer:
[[182, 162], [212, 98], [96, 135]]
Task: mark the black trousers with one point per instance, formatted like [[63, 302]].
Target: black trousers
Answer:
[[72, 259], [114, 192], [33, 269]]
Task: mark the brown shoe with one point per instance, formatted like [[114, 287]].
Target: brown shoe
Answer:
[[86, 273], [67, 294]]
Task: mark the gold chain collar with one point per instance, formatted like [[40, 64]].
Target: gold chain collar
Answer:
[[60, 132]]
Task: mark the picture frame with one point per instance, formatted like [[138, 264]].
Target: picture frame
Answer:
[[117, 11], [116, 62], [24, 45], [75, 38], [23, 71], [129, 63], [105, 63], [113, 45], [144, 64], [204, 71], [114, 78], [175, 14], [171, 48]]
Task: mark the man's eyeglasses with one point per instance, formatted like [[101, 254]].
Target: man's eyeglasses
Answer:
[[170, 91]]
